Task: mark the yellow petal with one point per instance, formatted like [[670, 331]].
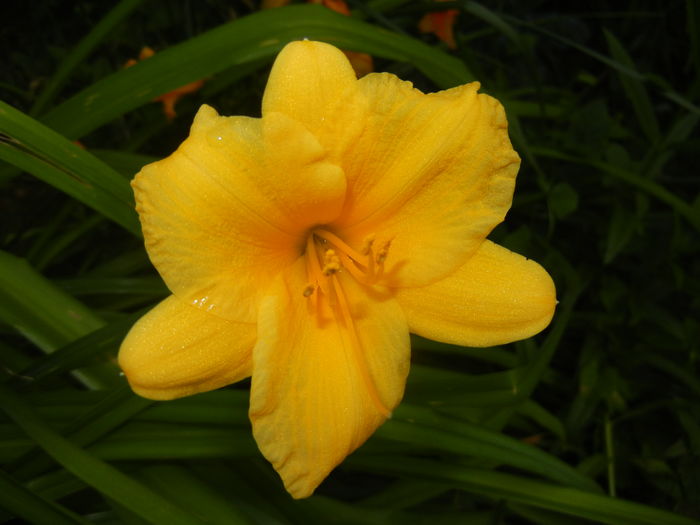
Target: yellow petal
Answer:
[[314, 83], [435, 173], [318, 394], [176, 350], [496, 297], [226, 211]]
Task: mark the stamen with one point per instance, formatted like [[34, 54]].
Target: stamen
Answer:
[[356, 346], [331, 263], [366, 267], [383, 252], [380, 258], [359, 275], [367, 245], [367, 250], [340, 244], [323, 274], [313, 265]]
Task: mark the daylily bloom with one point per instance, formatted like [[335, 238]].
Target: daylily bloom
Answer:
[[441, 23], [170, 98], [302, 247]]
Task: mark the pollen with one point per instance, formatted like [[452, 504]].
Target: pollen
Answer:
[[327, 254], [383, 252], [331, 263], [367, 245], [327, 257]]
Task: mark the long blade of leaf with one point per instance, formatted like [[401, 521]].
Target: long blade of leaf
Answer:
[[106, 479], [45, 314], [248, 39], [82, 50], [600, 509], [25, 504], [41, 151], [635, 90]]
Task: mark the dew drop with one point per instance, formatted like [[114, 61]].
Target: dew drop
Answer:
[[215, 138]]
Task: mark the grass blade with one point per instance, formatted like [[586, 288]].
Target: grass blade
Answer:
[[82, 50], [248, 39], [44, 314], [600, 509], [33, 147], [181, 485], [635, 90], [25, 504], [102, 477], [423, 426]]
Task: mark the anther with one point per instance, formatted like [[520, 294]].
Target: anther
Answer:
[[367, 245], [309, 290], [331, 262], [383, 252]]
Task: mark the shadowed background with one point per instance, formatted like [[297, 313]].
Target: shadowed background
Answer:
[[596, 420]]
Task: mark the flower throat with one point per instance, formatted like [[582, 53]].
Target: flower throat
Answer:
[[326, 256]]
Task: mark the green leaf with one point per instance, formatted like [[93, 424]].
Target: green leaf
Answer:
[[635, 90], [123, 162], [494, 19], [46, 315], [142, 286], [248, 39], [25, 504], [600, 509], [562, 199], [620, 229], [652, 188], [83, 351], [82, 51], [424, 427], [101, 476], [178, 484], [115, 409], [39, 150], [543, 417], [146, 442]]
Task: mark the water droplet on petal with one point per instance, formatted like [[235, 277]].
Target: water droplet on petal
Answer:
[[215, 138]]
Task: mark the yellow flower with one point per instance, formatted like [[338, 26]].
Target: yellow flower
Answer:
[[302, 247]]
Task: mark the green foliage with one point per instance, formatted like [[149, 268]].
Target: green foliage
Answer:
[[593, 421]]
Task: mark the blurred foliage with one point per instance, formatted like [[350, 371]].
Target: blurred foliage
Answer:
[[602, 102]]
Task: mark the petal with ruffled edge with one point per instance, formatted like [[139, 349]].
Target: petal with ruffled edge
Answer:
[[177, 350], [227, 211], [496, 297], [433, 173], [315, 84], [318, 393]]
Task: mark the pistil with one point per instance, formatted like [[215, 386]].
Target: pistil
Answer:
[[367, 266], [326, 256]]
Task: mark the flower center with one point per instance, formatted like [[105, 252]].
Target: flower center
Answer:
[[326, 256]]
